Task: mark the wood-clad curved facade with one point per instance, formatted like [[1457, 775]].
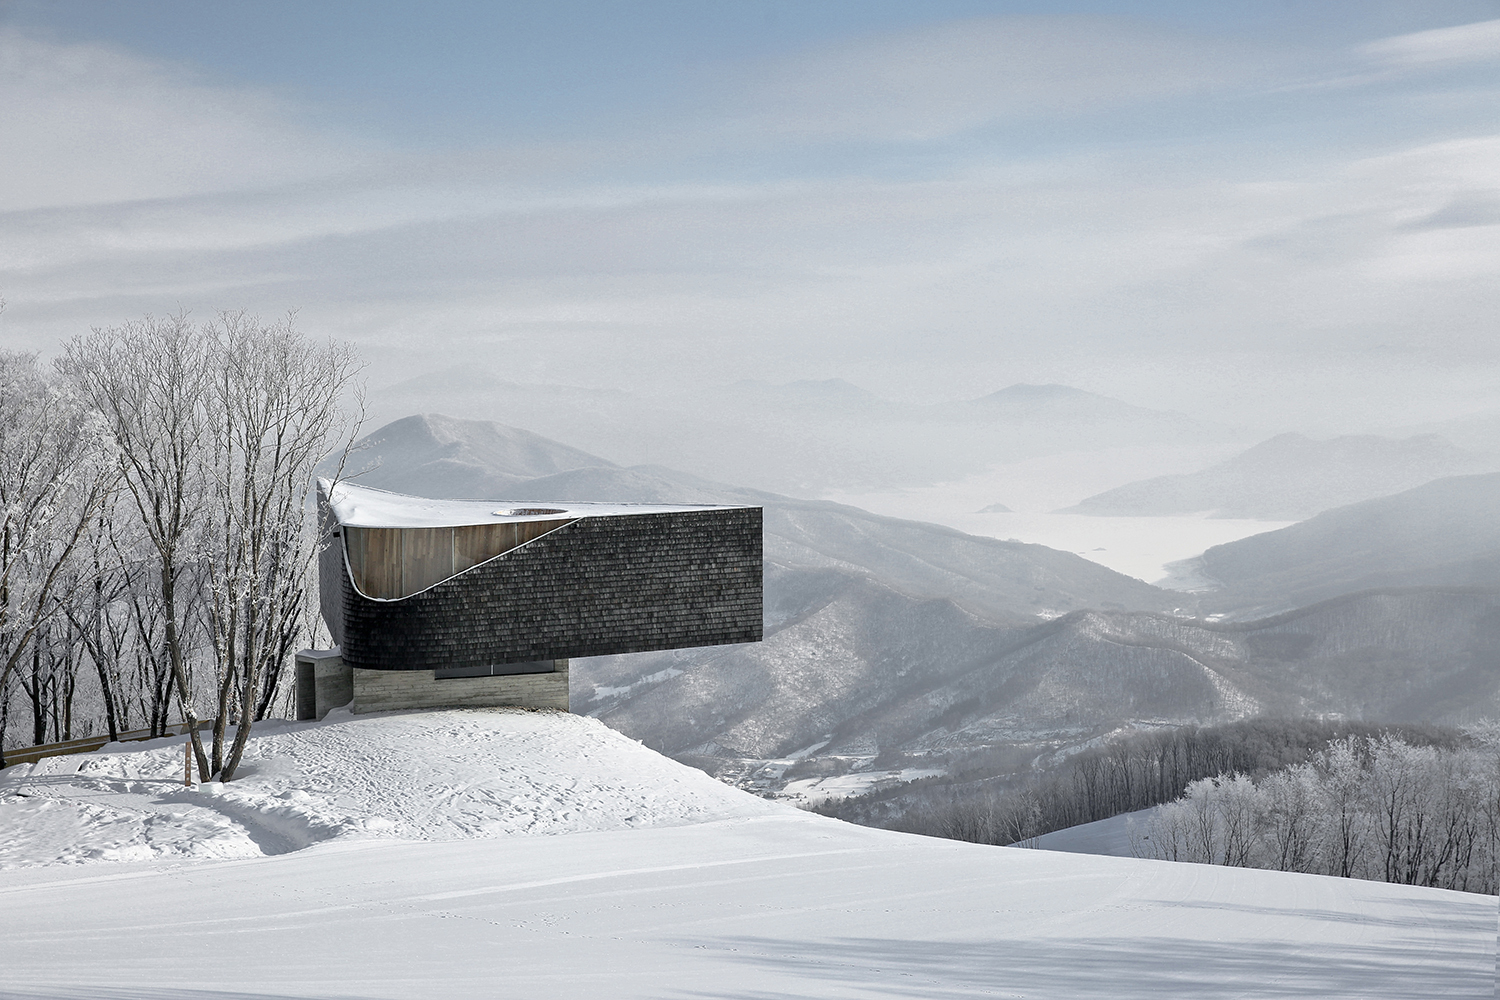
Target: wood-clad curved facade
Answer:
[[392, 563], [538, 586]]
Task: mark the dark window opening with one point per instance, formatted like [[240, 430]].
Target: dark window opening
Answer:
[[495, 670]]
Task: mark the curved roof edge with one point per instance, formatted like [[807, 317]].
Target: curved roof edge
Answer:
[[367, 507]]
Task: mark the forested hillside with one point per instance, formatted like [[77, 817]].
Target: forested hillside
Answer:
[[1411, 804]]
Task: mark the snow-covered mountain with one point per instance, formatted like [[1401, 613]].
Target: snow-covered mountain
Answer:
[[1445, 533], [902, 641], [505, 853], [871, 676], [1290, 478], [431, 452], [809, 437]]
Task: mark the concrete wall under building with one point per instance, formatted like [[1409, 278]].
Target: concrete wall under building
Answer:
[[326, 682], [323, 683], [385, 690]]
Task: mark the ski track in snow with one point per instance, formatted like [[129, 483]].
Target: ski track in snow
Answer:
[[451, 775]]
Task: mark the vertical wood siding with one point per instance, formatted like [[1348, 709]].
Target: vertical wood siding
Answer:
[[392, 563]]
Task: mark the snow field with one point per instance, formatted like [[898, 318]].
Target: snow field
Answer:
[[423, 879], [414, 775]]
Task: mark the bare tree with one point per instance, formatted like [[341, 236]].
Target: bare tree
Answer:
[[100, 610], [218, 429], [1292, 817], [279, 414], [55, 472], [151, 381]]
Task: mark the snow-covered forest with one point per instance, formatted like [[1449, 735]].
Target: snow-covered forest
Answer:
[[1373, 808], [1411, 804], [157, 541]]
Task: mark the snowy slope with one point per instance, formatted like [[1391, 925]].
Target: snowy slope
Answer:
[[1113, 837], [716, 894], [414, 775]]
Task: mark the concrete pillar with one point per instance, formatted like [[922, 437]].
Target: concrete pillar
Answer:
[[323, 682]]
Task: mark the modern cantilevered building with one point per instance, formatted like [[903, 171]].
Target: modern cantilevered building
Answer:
[[464, 602]]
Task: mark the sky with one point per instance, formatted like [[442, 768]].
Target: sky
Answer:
[[1284, 215]]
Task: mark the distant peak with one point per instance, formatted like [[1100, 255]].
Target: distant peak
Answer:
[[1030, 392], [1039, 389], [808, 391]]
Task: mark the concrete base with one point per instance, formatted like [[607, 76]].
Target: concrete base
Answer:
[[385, 690], [323, 682]]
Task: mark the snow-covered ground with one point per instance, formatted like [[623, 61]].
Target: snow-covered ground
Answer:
[[838, 786], [419, 874], [414, 775], [1109, 837]]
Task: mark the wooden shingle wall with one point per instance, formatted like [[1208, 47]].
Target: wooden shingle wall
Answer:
[[597, 586]]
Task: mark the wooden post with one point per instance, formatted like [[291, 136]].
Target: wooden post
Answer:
[[187, 763]]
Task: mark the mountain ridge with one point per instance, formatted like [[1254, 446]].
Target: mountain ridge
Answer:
[[1290, 477], [1442, 533]]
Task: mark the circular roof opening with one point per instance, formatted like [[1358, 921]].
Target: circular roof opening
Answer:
[[529, 511]]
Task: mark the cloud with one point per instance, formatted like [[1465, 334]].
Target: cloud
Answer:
[[1475, 42], [955, 76], [85, 123], [141, 188]]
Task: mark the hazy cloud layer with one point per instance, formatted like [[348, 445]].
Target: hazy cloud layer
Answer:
[[90, 124], [1462, 43], [1174, 219]]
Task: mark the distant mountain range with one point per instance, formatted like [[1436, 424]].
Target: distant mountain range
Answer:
[[1004, 581], [806, 437], [906, 641], [1444, 533], [1289, 478], [1475, 432], [865, 672]]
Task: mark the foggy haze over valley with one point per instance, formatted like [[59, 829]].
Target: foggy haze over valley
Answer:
[[1118, 384]]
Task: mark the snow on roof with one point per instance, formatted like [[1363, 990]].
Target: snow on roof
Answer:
[[366, 507]]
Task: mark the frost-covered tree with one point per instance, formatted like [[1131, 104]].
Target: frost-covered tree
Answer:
[[150, 380], [1293, 802], [56, 471], [1379, 808], [1342, 781], [218, 428], [278, 414]]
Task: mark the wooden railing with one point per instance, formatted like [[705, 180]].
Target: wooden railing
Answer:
[[30, 755]]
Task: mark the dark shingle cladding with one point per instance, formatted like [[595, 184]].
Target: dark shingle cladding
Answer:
[[624, 583]]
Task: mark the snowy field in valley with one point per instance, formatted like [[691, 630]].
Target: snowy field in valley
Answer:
[[510, 853]]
